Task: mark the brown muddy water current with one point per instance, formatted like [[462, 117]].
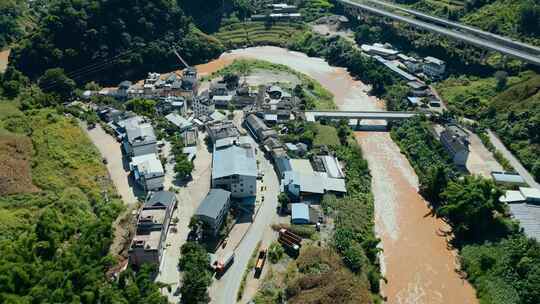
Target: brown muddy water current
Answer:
[[418, 265]]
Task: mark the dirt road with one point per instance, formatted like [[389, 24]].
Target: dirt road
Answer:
[[111, 150]]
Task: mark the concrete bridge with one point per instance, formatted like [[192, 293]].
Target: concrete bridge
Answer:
[[359, 115]]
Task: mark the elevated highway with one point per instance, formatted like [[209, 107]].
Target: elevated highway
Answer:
[[466, 34], [462, 27]]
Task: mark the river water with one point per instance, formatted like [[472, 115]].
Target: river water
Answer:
[[416, 261]]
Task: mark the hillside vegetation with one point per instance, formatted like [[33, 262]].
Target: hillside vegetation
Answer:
[[111, 40], [509, 106], [257, 33], [519, 19], [55, 233]]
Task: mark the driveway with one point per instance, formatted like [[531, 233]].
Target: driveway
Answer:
[[513, 160]]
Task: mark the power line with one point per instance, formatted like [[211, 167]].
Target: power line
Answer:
[[93, 68]]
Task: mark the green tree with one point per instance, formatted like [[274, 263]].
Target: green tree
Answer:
[[473, 208], [56, 81], [275, 252]]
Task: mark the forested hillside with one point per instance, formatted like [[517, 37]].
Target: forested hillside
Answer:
[[13, 19], [119, 39], [519, 19]]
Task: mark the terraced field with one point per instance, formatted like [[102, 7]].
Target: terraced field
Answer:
[[257, 33]]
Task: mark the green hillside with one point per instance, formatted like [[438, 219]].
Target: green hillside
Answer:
[[519, 19], [56, 226], [509, 106], [257, 33]]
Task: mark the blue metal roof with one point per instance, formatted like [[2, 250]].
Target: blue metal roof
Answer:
[[300, 212], [234, 160]]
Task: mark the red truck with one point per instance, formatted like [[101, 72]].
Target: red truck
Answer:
[[220, 266], [289, 240]]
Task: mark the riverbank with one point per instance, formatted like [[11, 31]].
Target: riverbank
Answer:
[[416, 260]]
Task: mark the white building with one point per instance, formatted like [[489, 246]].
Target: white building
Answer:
[[234, 167], [433, 67], [140, 139], [148, 172]]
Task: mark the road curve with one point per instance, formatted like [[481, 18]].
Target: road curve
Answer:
[[470, 39]]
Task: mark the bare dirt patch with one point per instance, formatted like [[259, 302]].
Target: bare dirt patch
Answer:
[[15, 156], [4, 56]]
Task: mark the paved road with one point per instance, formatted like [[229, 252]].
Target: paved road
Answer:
[[224, 290], [473, 30], [513, 160], [470, 39]]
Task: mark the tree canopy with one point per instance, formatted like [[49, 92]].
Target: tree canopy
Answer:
[[111, 40]]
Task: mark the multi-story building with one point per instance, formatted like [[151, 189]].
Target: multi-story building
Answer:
[[433, 67], [140, 138], [152, 225], [203, 106], [148, 171], [234, 167], [221, 129], [213, 210]]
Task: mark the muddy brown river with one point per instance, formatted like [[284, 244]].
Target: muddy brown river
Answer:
[[416, 261]]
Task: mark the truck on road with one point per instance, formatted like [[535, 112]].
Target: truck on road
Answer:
[[220, 266], [260, 263]]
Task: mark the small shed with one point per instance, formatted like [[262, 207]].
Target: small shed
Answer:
[[300, 214]]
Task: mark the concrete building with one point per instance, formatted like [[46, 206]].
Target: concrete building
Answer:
[[221, 129], [433, 67], [234, 168], [379, 50], [213, 210], [308, 187], [456, 141], [172, 104], [180, 122], [152, 225], [258, 128], [203, 106], [122, 91], [331, 166], [140, 138], [148, 171]]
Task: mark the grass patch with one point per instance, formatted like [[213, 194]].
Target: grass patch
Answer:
[[315, 95], [326, 135]]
